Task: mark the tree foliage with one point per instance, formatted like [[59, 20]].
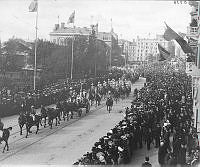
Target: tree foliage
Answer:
[[90, 55]]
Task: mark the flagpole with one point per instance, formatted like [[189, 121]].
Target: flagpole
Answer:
[[111, 47], [35, 68], [72, 63]]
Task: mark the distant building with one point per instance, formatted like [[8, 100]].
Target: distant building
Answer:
[[128, 49], [147, 46], [108, 37], [60, 34]]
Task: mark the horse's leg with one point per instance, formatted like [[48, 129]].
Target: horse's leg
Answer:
[[37, 128], [64, 115], [56, 121], [41, 121], [20, 126], [7, 145], [59, 115], [27, 130], [4, 147], [51, 123], [59, 121], [72, 114], [45, 121]]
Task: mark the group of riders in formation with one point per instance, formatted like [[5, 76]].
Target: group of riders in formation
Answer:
[[74, 102]]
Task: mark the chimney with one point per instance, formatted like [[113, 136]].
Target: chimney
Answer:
[[56, 26], [62, 25]]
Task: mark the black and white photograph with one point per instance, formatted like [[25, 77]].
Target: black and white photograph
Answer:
[[100, 82]]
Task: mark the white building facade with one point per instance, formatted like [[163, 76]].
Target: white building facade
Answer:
[[128, 49], [146, 47]]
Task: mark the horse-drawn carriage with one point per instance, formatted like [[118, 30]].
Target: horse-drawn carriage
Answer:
[[77, 107]]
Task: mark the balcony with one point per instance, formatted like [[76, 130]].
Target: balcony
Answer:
[[192, 30]]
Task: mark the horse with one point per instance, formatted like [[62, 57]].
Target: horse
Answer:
[[116, 96], [44, 115], [21, 121], [65, 110], [87, 105], [5, 137], [109, 104], [30, 121], [53, 114]]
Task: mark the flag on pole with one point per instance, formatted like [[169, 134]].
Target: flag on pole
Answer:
[[33, 6], [184, 45], [171, 34], [164, 54], [71, 18]]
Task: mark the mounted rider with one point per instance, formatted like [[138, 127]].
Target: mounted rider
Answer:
[[33, 112], [1, 130], [109, 102]]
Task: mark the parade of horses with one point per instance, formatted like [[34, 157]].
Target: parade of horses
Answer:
[[104, 82], [74, 101]]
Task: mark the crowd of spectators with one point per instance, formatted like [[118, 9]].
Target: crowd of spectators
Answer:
[[161, 114]]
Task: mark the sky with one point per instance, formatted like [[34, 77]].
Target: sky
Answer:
[[130, 18]]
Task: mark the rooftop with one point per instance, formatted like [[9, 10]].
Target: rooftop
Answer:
[[71, 30]]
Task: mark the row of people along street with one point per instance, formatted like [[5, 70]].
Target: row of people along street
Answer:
[[160, 116]]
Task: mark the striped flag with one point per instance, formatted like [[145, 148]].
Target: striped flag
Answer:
[[164, 54], [71, 18], [171, 34], [184, 45], [33, 7]]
